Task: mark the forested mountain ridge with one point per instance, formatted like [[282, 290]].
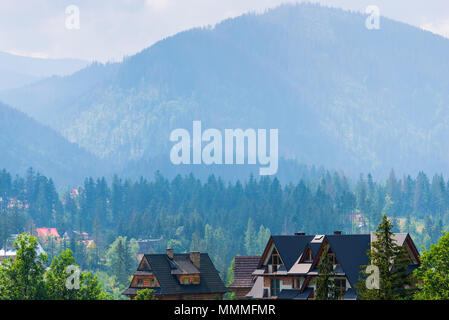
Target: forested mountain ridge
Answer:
[[24, 142], [373, 99], [17, 71]]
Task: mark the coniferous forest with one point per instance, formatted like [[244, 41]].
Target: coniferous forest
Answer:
[[214, 216]]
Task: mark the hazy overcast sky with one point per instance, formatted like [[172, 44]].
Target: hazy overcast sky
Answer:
[[110, 29]]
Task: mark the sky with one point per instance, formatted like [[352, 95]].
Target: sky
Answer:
[[108, 30]]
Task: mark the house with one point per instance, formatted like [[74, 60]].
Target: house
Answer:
[[82, 237], [288, 268], [244, 267], [185, 276], [45, 233], [5, 254], [10, 252], [146, 245]]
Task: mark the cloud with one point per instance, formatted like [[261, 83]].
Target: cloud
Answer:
[[441, 27], [156, 4], [111, 29], [40, 55]]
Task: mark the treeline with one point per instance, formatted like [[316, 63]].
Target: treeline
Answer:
[[218, 217]]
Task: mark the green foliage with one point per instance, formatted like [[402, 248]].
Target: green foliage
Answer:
[[392, 261], [56, 281], [56, 277], [230, 274], [122, 259], [326, 288], [90, 288], [22, 278], [145, 294], [433, 274], [222, 219], [25, 278]]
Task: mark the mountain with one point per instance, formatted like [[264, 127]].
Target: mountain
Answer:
[[341, 95], [18, 71], [26, 143]]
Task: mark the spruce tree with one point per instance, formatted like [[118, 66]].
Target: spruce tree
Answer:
[[326, 288], [392, 261]]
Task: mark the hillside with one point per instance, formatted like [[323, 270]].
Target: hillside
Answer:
[[25, 143], [341, 95], [17, 71]]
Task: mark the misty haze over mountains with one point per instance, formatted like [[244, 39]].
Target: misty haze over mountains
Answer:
[[342, 96], [17, 71]]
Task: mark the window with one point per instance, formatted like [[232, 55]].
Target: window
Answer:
[[139, 282], [186, 280], [275, 260], [152, 282], [275, 287], [308, 256], [296, 283], [341, 286], [331, 258]]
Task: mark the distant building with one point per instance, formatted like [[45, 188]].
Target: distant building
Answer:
[[146, 245], [10, 252], [244, 267], [5, 254], [288, 268], [82, 237], [178, 277], [45, 233]]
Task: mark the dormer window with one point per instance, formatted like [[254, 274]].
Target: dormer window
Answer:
[[308, 256], [189, 279], [331, 257], [275, 260], [140, 282]]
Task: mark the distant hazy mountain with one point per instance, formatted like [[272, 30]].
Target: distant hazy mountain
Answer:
[[341, 95], [17, 71], [25, 143]]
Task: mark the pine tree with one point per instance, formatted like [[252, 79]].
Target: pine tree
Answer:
[[392, 261], [326, 288]]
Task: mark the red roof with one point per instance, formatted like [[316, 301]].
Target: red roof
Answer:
[[47, 232]]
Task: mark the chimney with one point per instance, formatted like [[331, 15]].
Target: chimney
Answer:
[[337, 233], [195, 257], [169, 252], [300, 233]]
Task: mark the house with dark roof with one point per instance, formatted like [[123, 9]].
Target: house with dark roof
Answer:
[[185, 276], [288, 268], [243, 281]]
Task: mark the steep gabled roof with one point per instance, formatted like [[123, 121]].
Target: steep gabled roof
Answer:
[[47, 232], [162, 266], [351, 252], [290, 247], [244, 267]]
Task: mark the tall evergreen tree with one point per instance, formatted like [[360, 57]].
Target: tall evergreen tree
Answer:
[[392, 261], [326, 288]]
